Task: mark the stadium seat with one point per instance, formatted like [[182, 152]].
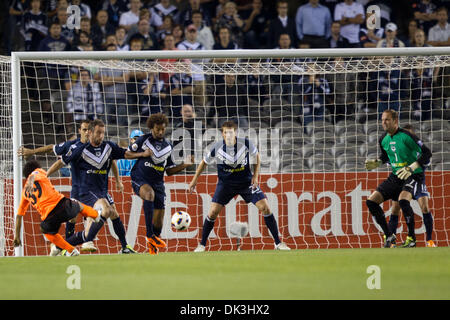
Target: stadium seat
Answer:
[[293, 167]]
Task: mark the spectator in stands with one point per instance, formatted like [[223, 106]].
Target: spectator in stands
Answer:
[[204, 35], [17, 9], [281, 24], [137, 79], [336, 40], [369, 38], [34, 26], [156, 92], [283, 85], [54, 41], [232, 20], [115, 92], [439, 35], [85, 10], [121, 36], [424, 13], [391, 40], [85, 25], [84, 43], [187, 122], [61, 18], [388, 85], [149, 40], [408, 39], [163, 9], [421, 84], [165, 29], [101, 29], [110, 40], [198, 77], [350, 15], [131, 17], [313, 23], [178, 33], [181, 89], [185, 18], [85, 99], [314, 90], [231, 103], [115, 8], [343, 91], [225, 42], [256, 26]]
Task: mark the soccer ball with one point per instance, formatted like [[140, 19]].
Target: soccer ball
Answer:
[[181, 220]]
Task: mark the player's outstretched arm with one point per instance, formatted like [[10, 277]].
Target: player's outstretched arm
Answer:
[[17, 241], [25, 152], [55, 167], [187, 162], [201, 167], [115, 170], [256, 170], [134, 155]]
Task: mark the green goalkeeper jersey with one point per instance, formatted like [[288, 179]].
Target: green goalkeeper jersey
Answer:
[[402, 149]]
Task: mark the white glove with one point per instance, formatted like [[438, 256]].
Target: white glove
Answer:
[[372, 164], [405, 172]]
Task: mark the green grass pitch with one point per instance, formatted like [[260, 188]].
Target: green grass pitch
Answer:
[[420, 273]]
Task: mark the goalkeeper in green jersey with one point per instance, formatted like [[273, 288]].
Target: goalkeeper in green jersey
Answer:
[[407, 155]]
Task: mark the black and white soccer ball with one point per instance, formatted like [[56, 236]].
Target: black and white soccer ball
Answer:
[[181, 220]]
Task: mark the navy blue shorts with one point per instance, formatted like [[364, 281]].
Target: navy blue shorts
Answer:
[[91, 198], [158, 188], [417, 188], [224, 194]]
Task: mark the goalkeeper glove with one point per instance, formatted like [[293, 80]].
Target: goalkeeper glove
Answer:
[[405, 172], [372, 164]]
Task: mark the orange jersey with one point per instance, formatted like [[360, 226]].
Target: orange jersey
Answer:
[[44, 197]]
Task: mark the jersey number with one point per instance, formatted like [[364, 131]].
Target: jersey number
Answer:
[[33, 196]]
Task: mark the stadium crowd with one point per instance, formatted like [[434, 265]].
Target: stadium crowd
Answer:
[[118, 25]]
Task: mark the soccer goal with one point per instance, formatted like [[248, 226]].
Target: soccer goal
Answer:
[[313, 114]]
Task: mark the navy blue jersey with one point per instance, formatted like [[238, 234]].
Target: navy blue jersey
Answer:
[[62, 149], [233, 163], [151, 169], [92, 165]]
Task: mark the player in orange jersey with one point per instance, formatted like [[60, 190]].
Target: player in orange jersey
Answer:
[[53, 207]]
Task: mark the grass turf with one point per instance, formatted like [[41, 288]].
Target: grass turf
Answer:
[[420, 273]]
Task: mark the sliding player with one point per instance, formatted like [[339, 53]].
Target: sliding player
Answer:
[[92, 162], [233, 156], [53, 207], [147, 176], [407, 156], [421, 195]]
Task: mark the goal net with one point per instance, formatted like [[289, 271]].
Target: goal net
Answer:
[[313, 114]]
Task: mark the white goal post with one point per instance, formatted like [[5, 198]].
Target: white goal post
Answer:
[[316, 195]]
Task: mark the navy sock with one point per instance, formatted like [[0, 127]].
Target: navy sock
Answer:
[[271, 224], [119, 229], [409, 217], [378, 214], [148, 214], [95, 228], [70, 229], [393, 224], [76, 238], [208, 225], [428, 222]]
